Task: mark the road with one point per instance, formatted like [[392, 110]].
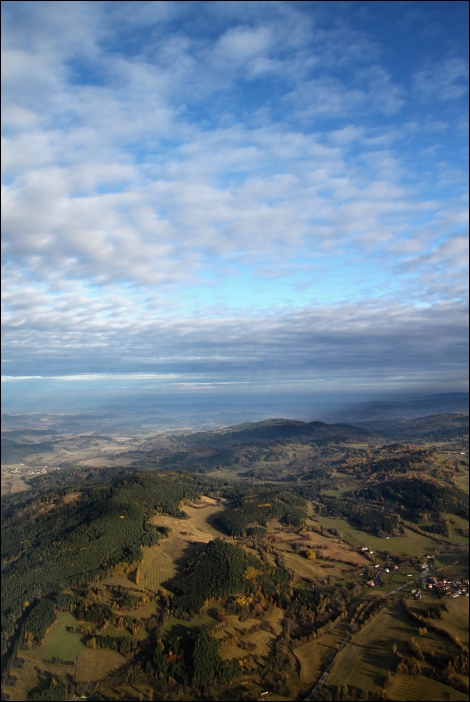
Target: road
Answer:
[[327, 670]]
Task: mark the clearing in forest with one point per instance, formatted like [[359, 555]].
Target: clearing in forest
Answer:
[[181, 627], [95, 664], [187, 537], [261, 639], [331, 546], [59, 643]]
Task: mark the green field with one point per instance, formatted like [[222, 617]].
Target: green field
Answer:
[[453, 564], [410, 544], [457, 524], [143, 612], [59, 643], [180, 627], [13, 482], [366, 660], [340, 492], [454, 613], [313, 569], [409, 687], [114, 631]]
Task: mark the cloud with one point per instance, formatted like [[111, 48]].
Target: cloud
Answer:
[[447, 80], [174, 172], [357, 340]]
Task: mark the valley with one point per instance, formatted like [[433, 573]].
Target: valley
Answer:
[[236, 561]]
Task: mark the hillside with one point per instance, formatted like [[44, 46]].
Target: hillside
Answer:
[[14, 451], [237, 558], [276, 430], [435, 427]]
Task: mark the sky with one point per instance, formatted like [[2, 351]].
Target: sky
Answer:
[[236, 196]]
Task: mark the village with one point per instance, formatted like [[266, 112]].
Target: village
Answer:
[[41, 471], [441, 586], [448, 588]]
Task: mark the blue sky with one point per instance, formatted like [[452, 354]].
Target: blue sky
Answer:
[[236, 193]]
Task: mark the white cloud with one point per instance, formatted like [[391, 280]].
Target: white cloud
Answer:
[[446, 80], [145, 158]]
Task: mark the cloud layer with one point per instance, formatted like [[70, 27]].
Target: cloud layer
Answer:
[[223, 189]]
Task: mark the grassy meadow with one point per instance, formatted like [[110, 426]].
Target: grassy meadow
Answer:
[[96, 664], [410, 544], [59, 643], [420, 688], [366, 660]]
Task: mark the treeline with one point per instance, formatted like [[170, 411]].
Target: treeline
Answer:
[[38, 621], [430, 625], [444, 668], [97, 613], [152, 534], [67, 601], [51, 694], [121, 644], [259, 508]]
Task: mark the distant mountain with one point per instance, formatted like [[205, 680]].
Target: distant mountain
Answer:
[[408, 408], [276, 430], [436, 427]]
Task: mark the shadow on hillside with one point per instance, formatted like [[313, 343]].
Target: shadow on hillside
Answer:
[[190, 552]]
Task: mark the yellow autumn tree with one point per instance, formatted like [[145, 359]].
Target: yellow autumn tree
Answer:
[[250, 573]]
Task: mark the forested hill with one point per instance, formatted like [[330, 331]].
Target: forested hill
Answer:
[[14, 452], [276, 429], [61, 537], [435, 427]]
